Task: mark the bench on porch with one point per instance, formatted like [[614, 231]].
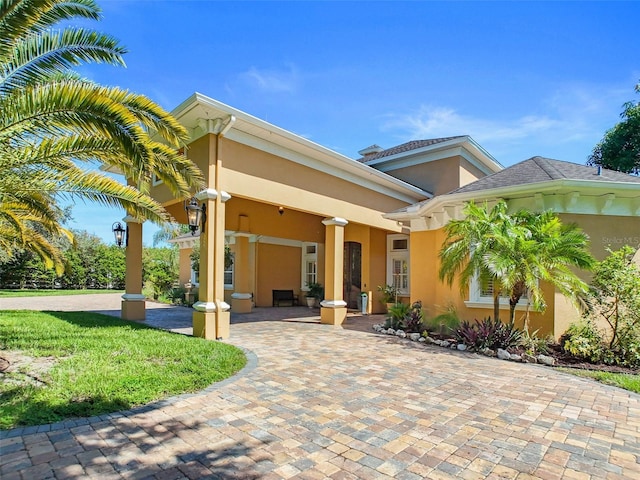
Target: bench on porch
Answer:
[[285, 296]]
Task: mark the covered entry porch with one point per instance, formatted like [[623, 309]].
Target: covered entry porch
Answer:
[[290, 211]]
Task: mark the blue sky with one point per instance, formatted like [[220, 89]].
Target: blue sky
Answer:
[[522, 79]]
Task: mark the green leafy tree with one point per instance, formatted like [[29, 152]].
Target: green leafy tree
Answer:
[[92, 264], [616, 296], [620, 147], [160, 269], [53, 123], [515, 252]]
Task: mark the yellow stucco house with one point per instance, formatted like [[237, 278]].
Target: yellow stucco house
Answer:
[[294, 212]]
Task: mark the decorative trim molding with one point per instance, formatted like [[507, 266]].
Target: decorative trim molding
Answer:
[[241, 296], [208, 194], [340, 222], [131, 219], [133, 297], [205, 306], [333, 303]]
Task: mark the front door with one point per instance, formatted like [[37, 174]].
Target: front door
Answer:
[[352, 277]]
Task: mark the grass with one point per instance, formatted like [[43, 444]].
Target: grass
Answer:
[[100, 364], [622, 380], [8, 293]]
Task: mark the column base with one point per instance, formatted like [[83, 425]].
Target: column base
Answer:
[[333, 316], [211, 325], [241, 305], [133, 310]]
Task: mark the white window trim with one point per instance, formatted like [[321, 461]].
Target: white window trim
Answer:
[[477, 301], [155, 181], [399, 254], [307, 257]]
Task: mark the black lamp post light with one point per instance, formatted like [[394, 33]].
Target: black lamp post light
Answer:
[[119, 233], [196, 215]]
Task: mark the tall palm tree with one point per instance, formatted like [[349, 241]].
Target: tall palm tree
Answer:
[[55, 126], [545, 250], [467, 243], [516, 252]]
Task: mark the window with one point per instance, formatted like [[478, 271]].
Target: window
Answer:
[[309, 264], [228, 277], [398, 262], [481, 294]]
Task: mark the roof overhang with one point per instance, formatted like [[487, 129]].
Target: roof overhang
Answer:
[[464, 146], [561, 196], [202, 115]]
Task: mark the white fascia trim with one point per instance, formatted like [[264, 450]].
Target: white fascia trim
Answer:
[[338, 165], [366, 177], [555, 186]]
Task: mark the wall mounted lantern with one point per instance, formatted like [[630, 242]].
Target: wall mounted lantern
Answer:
[[196, 215], [119, 233]]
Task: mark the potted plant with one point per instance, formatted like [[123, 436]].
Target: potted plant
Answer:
[[389, 295], [314, 293]]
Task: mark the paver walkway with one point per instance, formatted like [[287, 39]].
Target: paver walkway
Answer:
[[324, 402]]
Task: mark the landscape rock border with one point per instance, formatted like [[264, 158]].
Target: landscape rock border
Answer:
[[451, 344]]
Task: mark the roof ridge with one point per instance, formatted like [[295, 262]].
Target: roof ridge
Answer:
[[547, 167]]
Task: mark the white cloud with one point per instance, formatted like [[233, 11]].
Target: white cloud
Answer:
[[272, 80], [573, 121]]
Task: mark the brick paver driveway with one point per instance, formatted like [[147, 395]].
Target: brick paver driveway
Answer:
[[323, 402]]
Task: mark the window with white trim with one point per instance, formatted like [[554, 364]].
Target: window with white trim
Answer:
[[398, 262], [481, 293], [309, 264], [228, 277]]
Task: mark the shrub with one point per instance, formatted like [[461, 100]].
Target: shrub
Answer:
[[533, 344], [582, 340], [445, 323], [489, 333], [413, 322], [397, 316]]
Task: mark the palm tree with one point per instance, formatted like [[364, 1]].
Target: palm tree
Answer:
[[53, 123], [545, 250], [467, 244], [516, 252]]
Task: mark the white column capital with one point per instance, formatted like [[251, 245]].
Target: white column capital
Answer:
[[340, 222], [224, 196], [208, 194], [241, 296], [131, 219]]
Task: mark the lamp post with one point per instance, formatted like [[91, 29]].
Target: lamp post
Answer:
[[118, 233], [195, 214]]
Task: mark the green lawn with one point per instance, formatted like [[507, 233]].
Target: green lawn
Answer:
[[99, 364], [621, 380], [44, 293]]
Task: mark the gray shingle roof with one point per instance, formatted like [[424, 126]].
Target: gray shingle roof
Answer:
[[540, 169], [406, 147]]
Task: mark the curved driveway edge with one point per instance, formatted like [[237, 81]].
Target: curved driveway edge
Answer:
[[325, 402]]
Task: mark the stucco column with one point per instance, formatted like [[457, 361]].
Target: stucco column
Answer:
[[241, 297], [334, 308], [133, 305], [211, 318]]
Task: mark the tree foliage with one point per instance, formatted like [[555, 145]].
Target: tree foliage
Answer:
[[515, 252], [619, 149], [56, 126], [616, 297]]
